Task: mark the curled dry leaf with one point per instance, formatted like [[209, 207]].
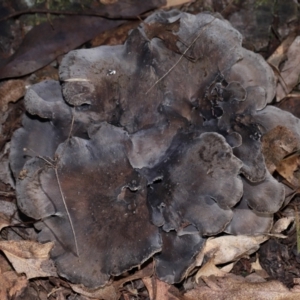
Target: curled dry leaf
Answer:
[[290, 70], [226, 249], [237, 288], [282, 224], [29, 257], [208, 269]]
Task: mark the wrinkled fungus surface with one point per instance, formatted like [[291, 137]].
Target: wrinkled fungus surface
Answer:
[[146, 149]]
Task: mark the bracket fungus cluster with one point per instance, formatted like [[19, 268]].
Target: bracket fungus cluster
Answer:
[[146, 149]]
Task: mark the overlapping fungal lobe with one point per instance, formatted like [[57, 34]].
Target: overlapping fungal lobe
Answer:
[[44, 125], [97, 207], [126, 75], [197, 184], [47, 123], [178, 255], [145, 149], [254, 213]]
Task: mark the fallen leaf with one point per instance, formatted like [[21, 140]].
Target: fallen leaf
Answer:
[[47, 41], [227, 268], [161, 290], [164, 32], [29, 257], [254, 277], [115, 36], [229, 248], [282, 224], [10, 120], [290, 70], [11, 285], [257, 268], [111, 292], [291, 103], [171, 3], [288, 168], [5, 172], [237, 288], [209, 269], [276, 144], [279, 55], [11, 91], [108, 292], [7, 211]]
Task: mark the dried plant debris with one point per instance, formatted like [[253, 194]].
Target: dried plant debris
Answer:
[[289, 73], [146, 149], [48, 40]]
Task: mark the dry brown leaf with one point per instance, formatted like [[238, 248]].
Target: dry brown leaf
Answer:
[[290, 70], [227, 268], [279, 54], [282, 224], [256, 267], [209, 269], [7, 211], [288, 168], [11, 285], [237, 288], [165, 33], [276, 144], [111, 292], [29, 257], [225, 249], [229, 248], [11, 91], [171, 3], [4, 221], [160, 290], [291, 103], [254, 277], [108, 292], [115, 36]]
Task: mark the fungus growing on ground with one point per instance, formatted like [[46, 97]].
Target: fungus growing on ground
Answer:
[[146, 149]]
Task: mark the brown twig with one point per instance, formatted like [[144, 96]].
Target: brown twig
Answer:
[[70, 13]]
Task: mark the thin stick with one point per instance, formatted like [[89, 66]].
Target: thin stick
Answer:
[[71, 128], [71, 13], [181, 57], [66, 208]]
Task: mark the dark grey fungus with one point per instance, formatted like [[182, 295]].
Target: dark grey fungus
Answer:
[[142, 151]]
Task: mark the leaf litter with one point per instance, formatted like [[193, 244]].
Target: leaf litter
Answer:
[[213, 288]]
